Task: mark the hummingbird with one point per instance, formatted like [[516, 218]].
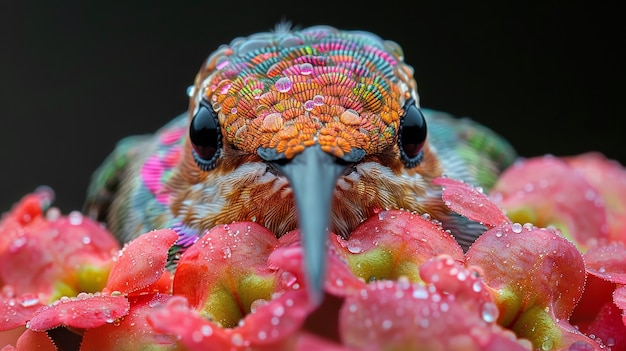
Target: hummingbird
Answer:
[[314, 129]]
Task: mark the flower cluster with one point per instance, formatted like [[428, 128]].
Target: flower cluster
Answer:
[[548, 273]]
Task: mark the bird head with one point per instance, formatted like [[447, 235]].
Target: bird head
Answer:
[[313, 129]]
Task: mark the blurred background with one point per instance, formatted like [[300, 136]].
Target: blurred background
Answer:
[[75, 77]]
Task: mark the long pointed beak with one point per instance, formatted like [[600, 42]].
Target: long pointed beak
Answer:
[[313, 177]]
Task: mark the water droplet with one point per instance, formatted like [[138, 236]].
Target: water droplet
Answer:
[[236, 339], [354, 246], [498, 233], [197, 336], [29, 301], [387, 324], [262, 335], [226, 251], [318, 100], [420, 294], [306, 69], [86, 240], [53, 214], [17, 244], [191, 90], [601, 269], [489, 312], [287, 279], [75, 218], [283, 84], [278, 311], [516, 228], [547, 345], [308, 105], [477, 287]]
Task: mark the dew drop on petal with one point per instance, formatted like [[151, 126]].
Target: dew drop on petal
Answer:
[[477, 287], [278, 311], [75, 218], [420, 294], [489, 312], [85, 240], [236, 339], [387, 324], [17, 244], [30, 301], [516, 228], [354, 246], [197, 336], [547, 345], [53, 214], [283, 84]]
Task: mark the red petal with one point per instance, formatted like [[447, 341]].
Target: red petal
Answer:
[[619, 298], [608, 262], [548, 192], [539, 277], [87, 311], [141, 262], [608, 327], [394, 244], [133, 332], [466, 200]]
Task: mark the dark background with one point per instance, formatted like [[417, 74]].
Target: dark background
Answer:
[[76, 77]]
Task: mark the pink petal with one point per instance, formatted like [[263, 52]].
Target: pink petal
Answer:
[[194, 332], [133, 332], [226, 270], [289, 262], [539, 277], [141, 262], [394, 244], [392, 315], [608, 262], [308, 342], [17, 311], [546, 191], [609, 178], [33, 340], [466, 200], [275, 321], [72, 251], [87, 311]]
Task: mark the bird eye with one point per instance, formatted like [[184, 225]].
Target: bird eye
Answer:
[[413, 133], [206, 138]]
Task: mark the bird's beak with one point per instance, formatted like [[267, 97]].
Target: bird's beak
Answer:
[[313, 176]]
